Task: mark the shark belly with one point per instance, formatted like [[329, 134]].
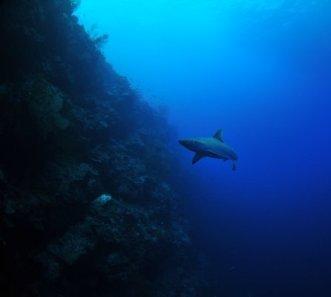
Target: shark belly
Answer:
[[215, 155]]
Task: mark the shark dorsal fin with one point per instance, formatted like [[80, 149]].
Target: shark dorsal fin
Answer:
[[219, 135]]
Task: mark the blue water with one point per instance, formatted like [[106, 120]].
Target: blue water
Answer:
[[261, 70]]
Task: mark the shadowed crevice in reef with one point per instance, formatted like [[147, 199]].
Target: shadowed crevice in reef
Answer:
[[71, 130]]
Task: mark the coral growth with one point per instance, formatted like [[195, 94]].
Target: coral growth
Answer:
[[88, 207]]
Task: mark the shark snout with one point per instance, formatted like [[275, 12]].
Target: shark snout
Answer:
[[184, 142], [190, 144]]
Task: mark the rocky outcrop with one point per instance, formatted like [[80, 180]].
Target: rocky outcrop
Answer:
[[87, 203]]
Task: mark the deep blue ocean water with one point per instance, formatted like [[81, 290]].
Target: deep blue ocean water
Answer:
[[261, 71]]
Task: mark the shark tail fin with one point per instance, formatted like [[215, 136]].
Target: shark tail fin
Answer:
[[197, 157]]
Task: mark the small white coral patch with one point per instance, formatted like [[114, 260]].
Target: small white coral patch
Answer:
[[103, 199]]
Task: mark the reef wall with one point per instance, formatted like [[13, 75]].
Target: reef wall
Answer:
[[88, 204]]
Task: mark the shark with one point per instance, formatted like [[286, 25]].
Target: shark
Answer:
[[212, 147]]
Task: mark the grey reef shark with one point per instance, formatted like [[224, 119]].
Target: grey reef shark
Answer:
[[213, 147]]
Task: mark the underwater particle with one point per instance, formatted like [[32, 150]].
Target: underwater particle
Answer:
[[103, 199]]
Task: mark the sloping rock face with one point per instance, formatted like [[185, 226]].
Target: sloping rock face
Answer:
[[87, 204]]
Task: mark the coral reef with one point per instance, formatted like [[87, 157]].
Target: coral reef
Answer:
[[88, 206]]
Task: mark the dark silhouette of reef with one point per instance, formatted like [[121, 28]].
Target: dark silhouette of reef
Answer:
[[89, 206]]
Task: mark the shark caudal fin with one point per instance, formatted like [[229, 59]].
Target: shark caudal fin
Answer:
[[219, 135], [197, 157]]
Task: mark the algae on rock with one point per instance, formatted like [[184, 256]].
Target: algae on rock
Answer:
[[72, 130]]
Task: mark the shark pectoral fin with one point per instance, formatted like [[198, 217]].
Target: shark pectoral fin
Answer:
[[219, 135], [234, 166], [197, 157]]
